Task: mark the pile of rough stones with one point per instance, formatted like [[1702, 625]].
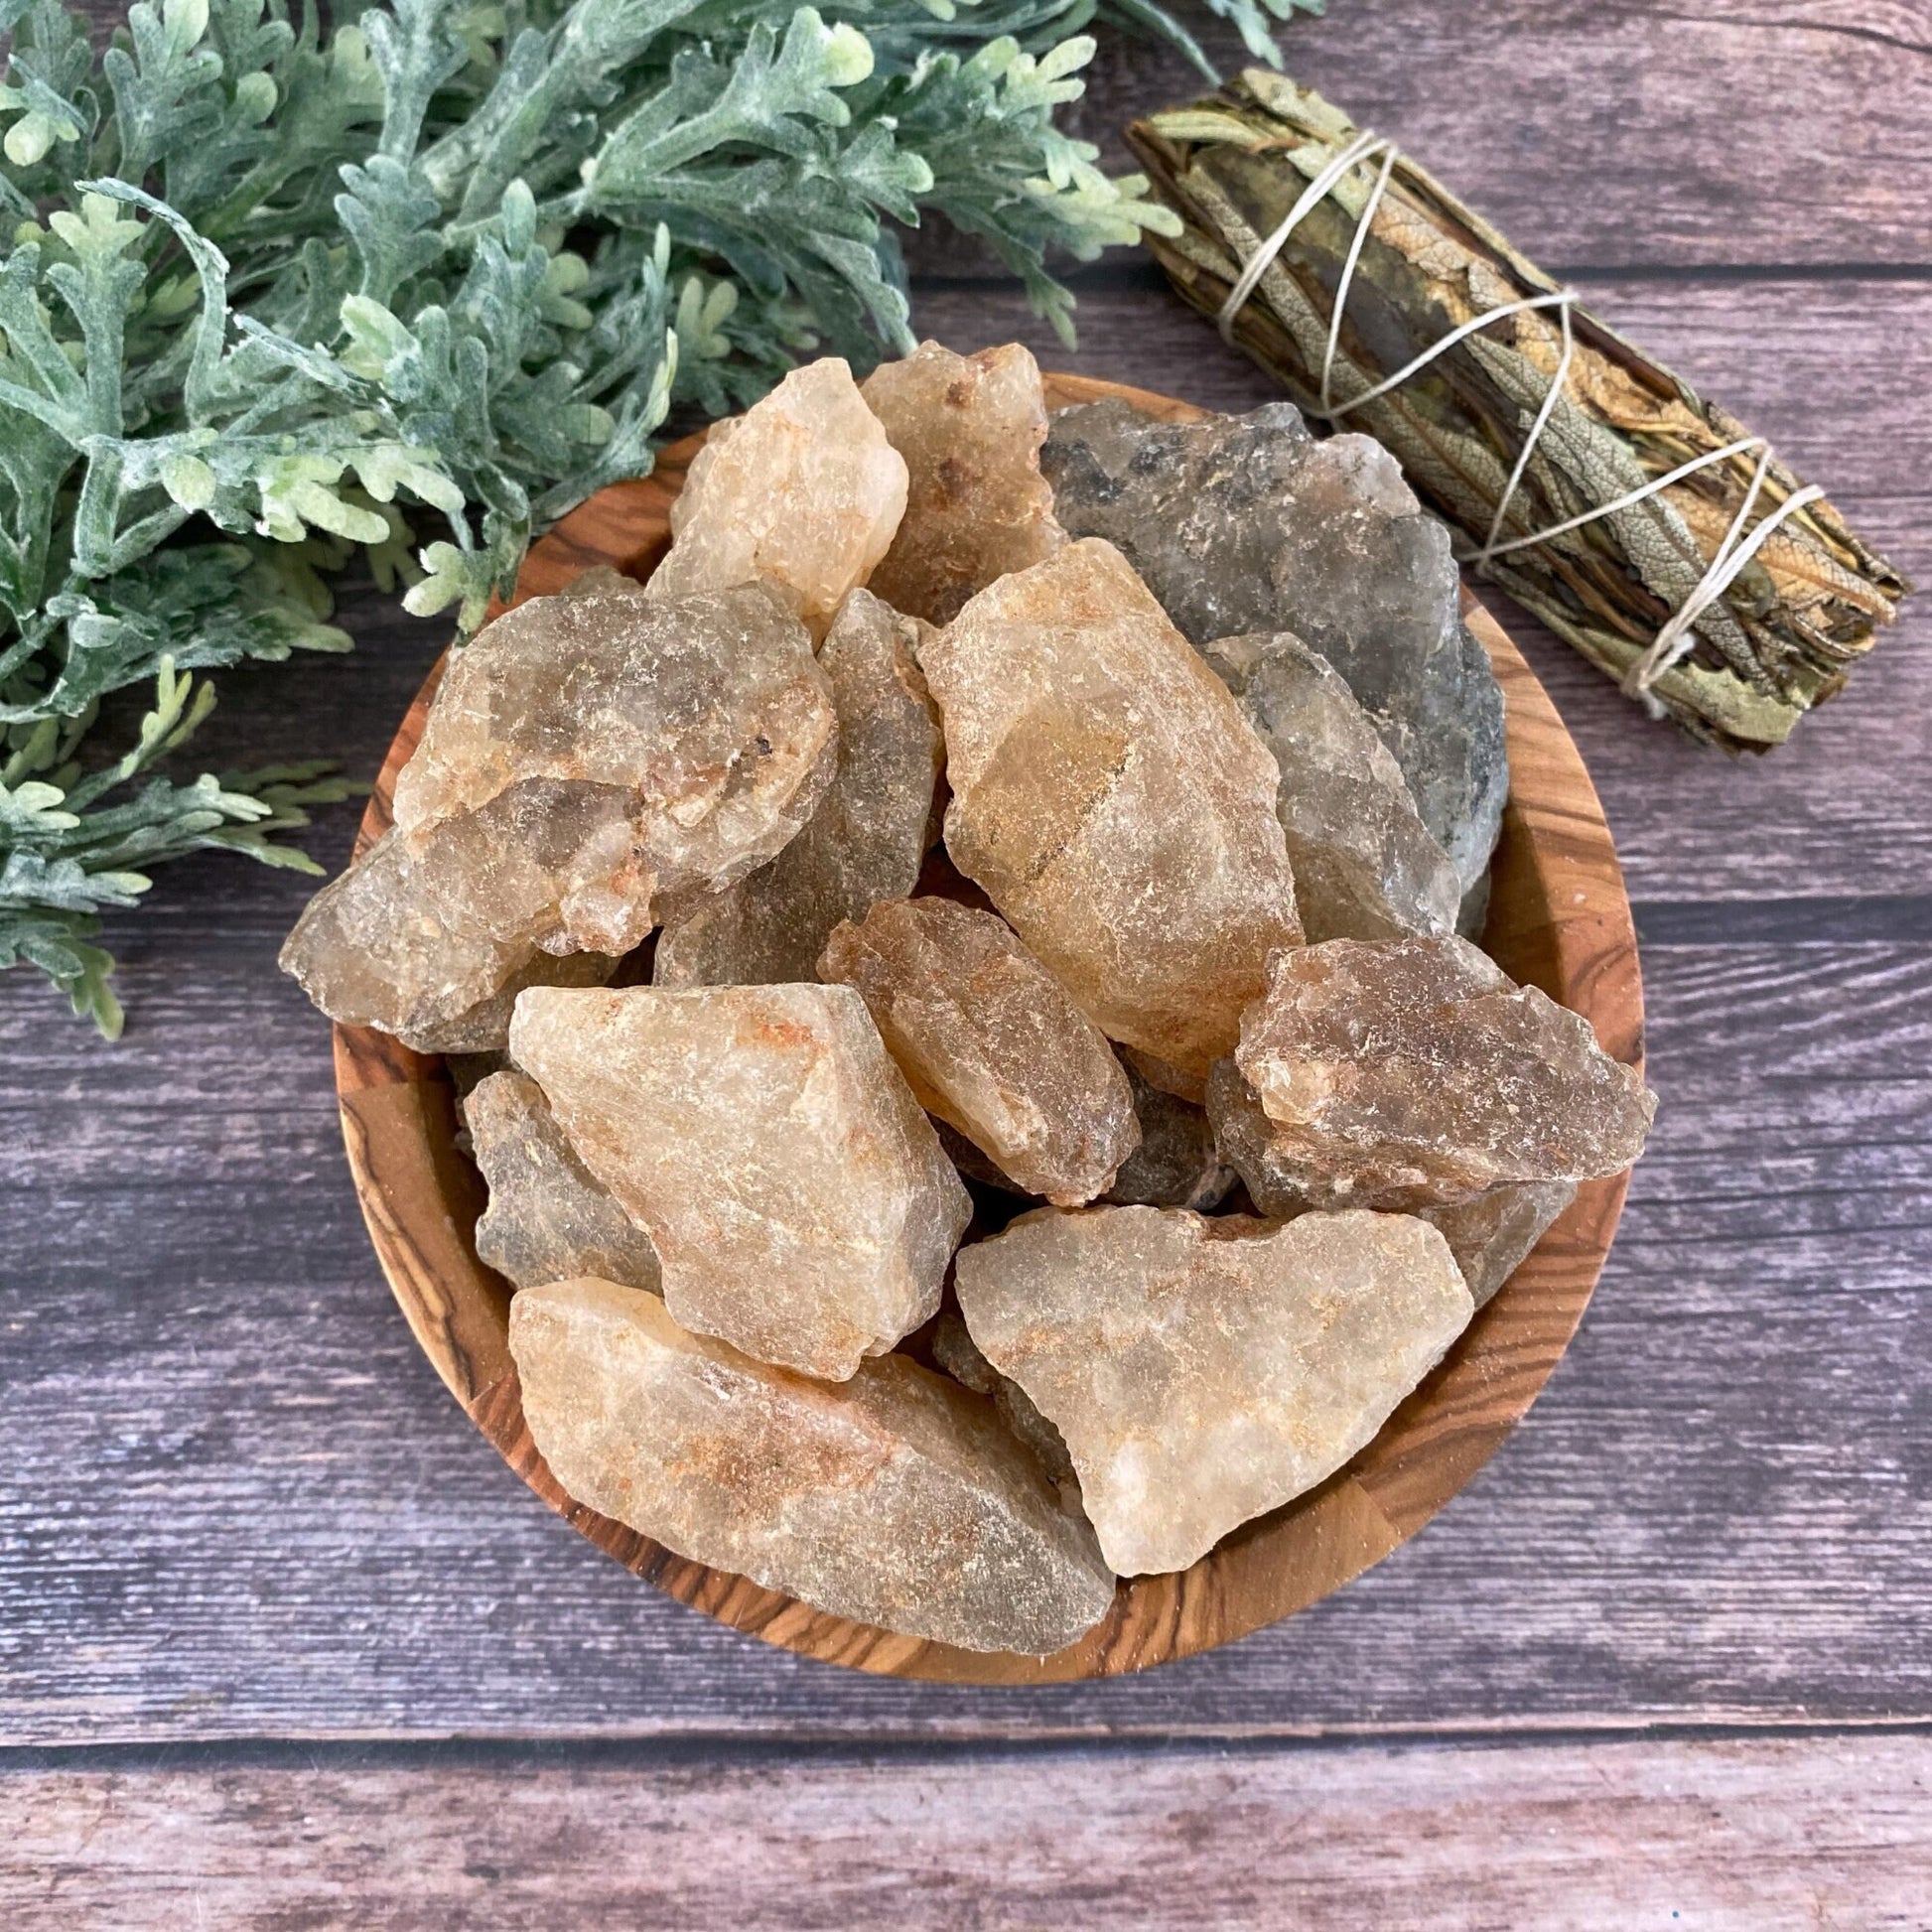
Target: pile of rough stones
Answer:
[[1051, 838]]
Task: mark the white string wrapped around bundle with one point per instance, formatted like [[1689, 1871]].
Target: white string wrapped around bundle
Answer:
[[1737, 550]]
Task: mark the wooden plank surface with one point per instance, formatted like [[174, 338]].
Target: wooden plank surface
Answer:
[[1674, 1834], [1645, 132], [238, 1505]]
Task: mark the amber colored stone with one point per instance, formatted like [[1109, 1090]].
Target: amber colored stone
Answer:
[[585, 757], [797, 1198], [802, 491], [989, 1041], [548, 1218], [970, 429], [1113, 803], [1416, 1069], [1204, 1373], [894, 1498], [863, 843]]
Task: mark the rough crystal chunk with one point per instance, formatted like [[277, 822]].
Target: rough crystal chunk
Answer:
[[1281, 1179], [548, 1219], [796, 1196], [970, 429], [958, 1354], [1113, 803], [1246, 523], [707, 715], [863, 844], [894, 1498], [583, 758], [1204, 1373], [802, 491], [1365, 865], [989, 1041], [1492, 1236], [1176, 1163], [1417, 1068], [412, 938]]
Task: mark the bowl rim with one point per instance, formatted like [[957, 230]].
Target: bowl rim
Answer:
[[1559, 919]]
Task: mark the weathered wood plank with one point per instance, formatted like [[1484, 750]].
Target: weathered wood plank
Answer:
[[1737, 1835], [239, 1502], [1644, 133]]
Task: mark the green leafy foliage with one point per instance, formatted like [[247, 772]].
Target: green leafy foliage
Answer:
[[272, 297]]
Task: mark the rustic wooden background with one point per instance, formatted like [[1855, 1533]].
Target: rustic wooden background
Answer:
[[282, 1643]]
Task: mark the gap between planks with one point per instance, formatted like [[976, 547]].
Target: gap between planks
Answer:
[[803, 1743]]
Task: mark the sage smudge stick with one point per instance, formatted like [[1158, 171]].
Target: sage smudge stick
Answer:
[[1773, 640]]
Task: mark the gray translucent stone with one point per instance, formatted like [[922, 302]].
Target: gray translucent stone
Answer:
[[1176, 1163], [430, 937], [1205, 1372], [896, 1498], [797, 1198], [1409, 1070], [704, 720], [1365, 865], [863, 844], [955, 1351], [1247, 523], [1492, 1236], [1280, 1181], [548, 1218], [585, 757]]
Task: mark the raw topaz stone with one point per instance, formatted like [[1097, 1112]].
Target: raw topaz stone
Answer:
[[970, 429], [1204, 1373], [1490, 1234], [548, 1219], [1246, 523], [1365, 865], [797, 1198], [802, 491], [1113, 803], [585, 756], [863, 844], [894, 1498], [1415, 1070], [989, 1041]]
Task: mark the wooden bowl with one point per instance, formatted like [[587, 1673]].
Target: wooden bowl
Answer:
[[1558, 919]]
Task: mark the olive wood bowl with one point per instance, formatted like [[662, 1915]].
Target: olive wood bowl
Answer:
[[1557, 920]]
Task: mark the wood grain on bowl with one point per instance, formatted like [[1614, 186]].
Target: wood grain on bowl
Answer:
[[1558, 919]]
